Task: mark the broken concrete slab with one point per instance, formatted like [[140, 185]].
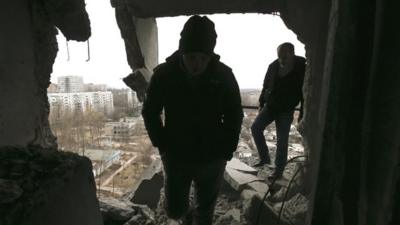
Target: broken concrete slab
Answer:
[[247, 194], [260, 187], [148, 191], [145, 211], [149, 178], [237, 179], [294, 209], [231, 217], [116, 210], [258, 212], [44, 186], [234, 214], [240, 166]]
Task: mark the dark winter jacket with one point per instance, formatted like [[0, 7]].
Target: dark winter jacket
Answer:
[[283, 94], [202, 114]]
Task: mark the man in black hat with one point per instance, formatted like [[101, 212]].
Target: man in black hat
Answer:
[[202, 119]]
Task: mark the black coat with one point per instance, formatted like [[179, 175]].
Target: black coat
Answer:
[[284, 93], [202, 114]]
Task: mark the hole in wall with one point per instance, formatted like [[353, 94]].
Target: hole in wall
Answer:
[[92, 112], [248, 49], [247, 43]]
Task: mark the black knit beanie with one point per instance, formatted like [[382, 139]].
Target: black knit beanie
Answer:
[[198, 35]]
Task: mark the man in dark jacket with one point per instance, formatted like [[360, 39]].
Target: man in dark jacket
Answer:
[[202, 119], [281, 93]]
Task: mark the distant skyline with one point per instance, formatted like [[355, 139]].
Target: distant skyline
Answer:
[[246, 42]]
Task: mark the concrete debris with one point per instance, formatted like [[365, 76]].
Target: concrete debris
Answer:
[[228, 210], [122, 212], [148, 192], [257, 212], [259, 187], [116, 211], [243, 150], [30, 177], [137, 82], [229, 219], [240, 166], [145, 211], [240, 199], [144, 216], [270, 137], [237, 179], [247, 196], [294, 209], [234, 214], [152, 176], [296, 147]]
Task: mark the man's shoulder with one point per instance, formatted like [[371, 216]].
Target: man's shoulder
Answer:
[[300, 59], [163, 69], [224, 73], [222, 68], [274, 63]]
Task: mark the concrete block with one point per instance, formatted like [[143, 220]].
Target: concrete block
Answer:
[[237, 179], [240, 166], [57, 188], [259, 187]]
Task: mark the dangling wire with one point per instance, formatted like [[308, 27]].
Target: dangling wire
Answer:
[[88, 51], [67, 50], [287, 191], [272, 184]]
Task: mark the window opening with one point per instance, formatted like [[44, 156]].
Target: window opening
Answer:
[[92, 112], [248, 44]]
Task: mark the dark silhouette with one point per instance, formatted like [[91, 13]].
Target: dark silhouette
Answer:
[[202, 119], [281, 93]]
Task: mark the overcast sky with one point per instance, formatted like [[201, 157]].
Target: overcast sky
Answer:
[[246, 42]]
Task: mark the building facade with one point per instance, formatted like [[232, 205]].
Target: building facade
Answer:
[[70, 84], [101, 101], [122, 129]]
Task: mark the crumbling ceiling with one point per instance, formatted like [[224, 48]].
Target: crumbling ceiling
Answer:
[[156, 8]]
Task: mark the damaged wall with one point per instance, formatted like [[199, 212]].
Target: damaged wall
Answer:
[[28, 49], [181, 7], [46, 188], [19, 105], [140, 36], [360, 154], [351, 125]]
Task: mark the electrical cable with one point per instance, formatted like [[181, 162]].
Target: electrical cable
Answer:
[[271, 184], [287, 191]]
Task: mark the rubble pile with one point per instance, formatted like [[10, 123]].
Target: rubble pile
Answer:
[[228, 209], [29, 178], [240, 199], [122, 212]]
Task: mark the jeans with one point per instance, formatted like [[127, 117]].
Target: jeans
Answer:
[[282, 122], [207, 178]]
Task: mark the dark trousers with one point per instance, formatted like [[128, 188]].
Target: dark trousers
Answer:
[[207, 178], [282, 123]]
